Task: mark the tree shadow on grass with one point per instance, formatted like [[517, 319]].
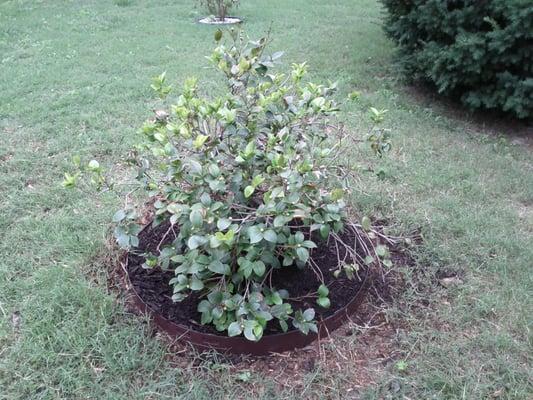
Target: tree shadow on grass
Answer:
[[489, 122]]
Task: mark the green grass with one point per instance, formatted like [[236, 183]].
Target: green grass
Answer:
[[74, 79]]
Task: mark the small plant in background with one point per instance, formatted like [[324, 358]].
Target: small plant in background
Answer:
[[247, 183], [219, 8], [123, 3]]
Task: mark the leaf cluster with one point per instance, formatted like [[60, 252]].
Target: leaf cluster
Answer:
[[219, 8], [480, 52], [246, 183]]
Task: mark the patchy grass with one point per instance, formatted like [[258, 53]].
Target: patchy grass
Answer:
[[74, 78]]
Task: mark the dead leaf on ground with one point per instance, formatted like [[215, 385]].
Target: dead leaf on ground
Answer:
[[16, 320], [451, 282]]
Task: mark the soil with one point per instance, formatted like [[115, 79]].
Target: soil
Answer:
[[153, 287]]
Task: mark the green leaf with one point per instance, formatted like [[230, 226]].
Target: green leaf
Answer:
[[248, 191], [228, 237], [199, 141], [381, 250], [258, 179], [309, 244], [369, 260], [280, 221], [287, 260], [227, 115], [196, 284], [196, 218], [205, 199], [249, 151], [195, 166], [365, 223], [259, 268], [214, 242], [302, 253], [206, 318], [324, 231], [270, 236], [323, 302], [309, 314], [225, 237], [244, 64], [337, 194], [177, 297], [119, 216], [278, 192], [217, 312], [123, 239], [218, 37], [349, 272], [276, 299], [219, 268], [255, 234], [246, 267], [215, 297], [204, 306], [249, 333], [174, 208], [258, 331], [196, 241], [234, 329], [214, 170], [223, 223], [318, 102], [323, 290], [252, 330]]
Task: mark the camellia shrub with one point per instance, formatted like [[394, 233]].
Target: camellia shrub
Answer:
[[479, 51], [248, 182], [219, 8]]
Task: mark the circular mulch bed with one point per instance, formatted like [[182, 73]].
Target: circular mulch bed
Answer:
[[153, 294]]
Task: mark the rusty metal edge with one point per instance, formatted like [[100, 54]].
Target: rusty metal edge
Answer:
[[276, 343]]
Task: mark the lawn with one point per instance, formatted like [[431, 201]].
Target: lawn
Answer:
[[74, 79]]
